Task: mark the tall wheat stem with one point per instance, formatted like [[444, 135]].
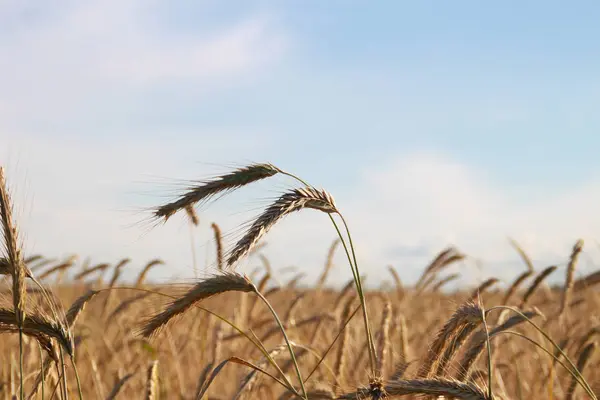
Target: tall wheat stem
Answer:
[[351, 255], [77, 378], [287, 341]]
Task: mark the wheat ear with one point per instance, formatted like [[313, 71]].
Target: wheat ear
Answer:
[[478, 342], [220, 184], [142, 277], [526, 259], [384, 339], [18, 268], [466, 315], [566, 296], [294, 200], [225, 282], [483, 287], [328, 264], [218, 244], [438, 387], [515, 286], [536, 283]]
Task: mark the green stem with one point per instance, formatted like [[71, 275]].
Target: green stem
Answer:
[[489, 350], [287, 341], [58, 381], [64, 375], [582, 382], [77, 378], [355, 273], [556, 346], [322, 358], [371, 344]]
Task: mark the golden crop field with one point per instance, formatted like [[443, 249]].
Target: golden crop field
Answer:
[[73, 330]]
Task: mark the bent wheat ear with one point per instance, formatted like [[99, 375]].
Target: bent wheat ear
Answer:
[[482, 288], [224, 183], [142, 277], [523, 255], [438, 387], [36, 326], [537, 282], [78, 305], [443, 259], [447, 388], [478, 341], [515, 286], [466, 316], [91, 270], [225, 282], [192, 215], [294, 200]]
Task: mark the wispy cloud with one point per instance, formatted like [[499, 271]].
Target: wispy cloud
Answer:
[[64, 57]]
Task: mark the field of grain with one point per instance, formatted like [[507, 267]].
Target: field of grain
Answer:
[[72, 329]]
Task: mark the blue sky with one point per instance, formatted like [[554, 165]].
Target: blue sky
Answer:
[[431, 123]]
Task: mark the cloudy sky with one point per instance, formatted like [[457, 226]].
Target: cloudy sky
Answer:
[[431, 124]]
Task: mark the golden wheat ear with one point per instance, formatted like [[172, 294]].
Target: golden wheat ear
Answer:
[[289, 202], [467, 316], [217, 185], [217, 284]]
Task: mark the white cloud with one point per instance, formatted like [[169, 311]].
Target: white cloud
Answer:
[[64, 57], [426, 201]]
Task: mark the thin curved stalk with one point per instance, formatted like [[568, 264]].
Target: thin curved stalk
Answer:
[[77, 378], [287, 341], [351, 255], [557, 359], [489, 350], [372, 355], [64, 374], [574, 368], [332, 344]]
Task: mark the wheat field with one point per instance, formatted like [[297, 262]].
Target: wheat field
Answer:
[[73, 329]]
